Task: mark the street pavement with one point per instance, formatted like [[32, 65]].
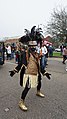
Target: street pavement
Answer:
[[52, 106]]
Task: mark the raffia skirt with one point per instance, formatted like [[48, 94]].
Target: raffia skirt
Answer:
[[30, 80]]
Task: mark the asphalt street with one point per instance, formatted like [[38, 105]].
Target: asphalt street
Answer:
[[53, 106]]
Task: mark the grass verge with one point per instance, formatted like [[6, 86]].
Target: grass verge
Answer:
[[57, 54]]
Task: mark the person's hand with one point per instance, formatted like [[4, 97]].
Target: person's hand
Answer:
[[12, 73], [47, 75]]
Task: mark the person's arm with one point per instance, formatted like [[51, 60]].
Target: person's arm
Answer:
[[47, 74], [18, 67]]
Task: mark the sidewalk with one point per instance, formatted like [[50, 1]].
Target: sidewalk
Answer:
[[55, 58]]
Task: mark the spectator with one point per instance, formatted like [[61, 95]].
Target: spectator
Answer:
[[17, 55], [43, 60], [50, 50], [64, 54], [66, 59], [8, 51], [61, 47]]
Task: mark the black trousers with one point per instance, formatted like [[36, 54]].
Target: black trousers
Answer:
[[26, 89]]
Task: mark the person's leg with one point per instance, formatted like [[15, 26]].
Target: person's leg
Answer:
[[63, 59], [10, 55], [39, 86], [45, 62], [24, 93], [39, 82], [42, 64], [22, 72], [66, 64], [7, 56], [23, 96]]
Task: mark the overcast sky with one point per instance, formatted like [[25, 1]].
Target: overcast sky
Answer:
[[16, 15]]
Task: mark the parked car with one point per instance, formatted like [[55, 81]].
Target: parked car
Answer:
[[57, 49], [2, 48]]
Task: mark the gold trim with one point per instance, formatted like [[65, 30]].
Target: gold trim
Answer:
[[15, 70], [22, 66]]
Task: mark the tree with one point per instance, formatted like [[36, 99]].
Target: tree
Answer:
[[57, 26]]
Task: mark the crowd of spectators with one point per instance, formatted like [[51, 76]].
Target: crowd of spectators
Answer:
[[13, 51]]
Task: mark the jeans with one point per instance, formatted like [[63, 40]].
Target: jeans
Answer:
[[66, 63], [43, 61]]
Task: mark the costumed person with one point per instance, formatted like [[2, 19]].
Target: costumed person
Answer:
[[30, 75]]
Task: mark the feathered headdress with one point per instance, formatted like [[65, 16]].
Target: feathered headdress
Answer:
[[33, 35]]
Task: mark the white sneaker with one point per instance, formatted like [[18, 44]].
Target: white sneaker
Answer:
[[66, 69]]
